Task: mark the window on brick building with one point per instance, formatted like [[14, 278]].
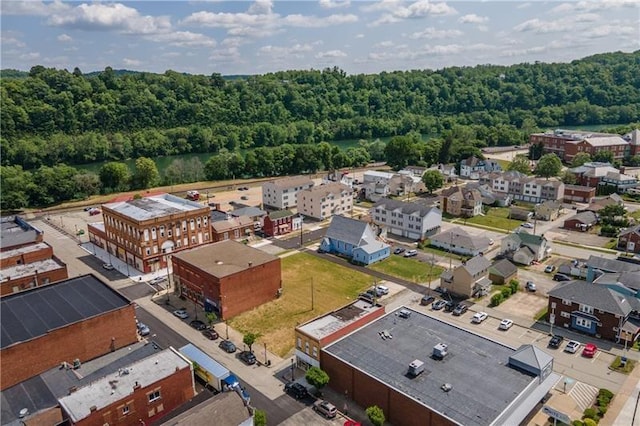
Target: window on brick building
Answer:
[[153, 233], [125, 410], [162, 231], [154, 396], [192, 224]]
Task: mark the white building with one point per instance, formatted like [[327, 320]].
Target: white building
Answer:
[[281, 193], [324, 201], [408, 220]]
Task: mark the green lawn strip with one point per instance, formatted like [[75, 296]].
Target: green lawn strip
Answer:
[[616, 365], [496, 217], [408, 269], [504, 164], [601, 250], [635, 215], [333, 286], [541, 314]]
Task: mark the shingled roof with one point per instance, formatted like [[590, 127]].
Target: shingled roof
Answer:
[[597, 296]]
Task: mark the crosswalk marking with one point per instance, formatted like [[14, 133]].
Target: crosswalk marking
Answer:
[[583, 394]]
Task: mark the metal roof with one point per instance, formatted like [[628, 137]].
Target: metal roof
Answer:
[[34, 313], [484, 386], [346, 229], [504, 268], [334, 321], [248, 211], [154, 207], [462, 239], [597, 296]]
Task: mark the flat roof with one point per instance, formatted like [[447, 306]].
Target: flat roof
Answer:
[[15, 231], [28, 269], [484, 385], [119, 384], [334, 321], [225, 258], [35, 312], [23, 250], [154, 207]]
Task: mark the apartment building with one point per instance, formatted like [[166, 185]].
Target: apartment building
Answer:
[[409, 220], [323, 201], [524, 188], [281, 194], [142, 232]]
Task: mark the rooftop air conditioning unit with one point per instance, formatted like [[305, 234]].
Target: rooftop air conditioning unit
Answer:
[[416, 367], [440, 351]]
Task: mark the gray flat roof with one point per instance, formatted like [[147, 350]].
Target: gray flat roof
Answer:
[[15, 231], [28, 269], [477, 368], [33, 313], [23, 250], [154, 207], [334, 321]]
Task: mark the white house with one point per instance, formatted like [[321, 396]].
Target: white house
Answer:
[[408, 220], [323, 201], [281, 193]]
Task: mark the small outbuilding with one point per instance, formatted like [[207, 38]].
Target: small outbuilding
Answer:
[[503, 271], [582, 221]]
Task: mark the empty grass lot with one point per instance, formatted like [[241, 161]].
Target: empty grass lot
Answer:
[[408, 269], [496, 217], [333, 285]]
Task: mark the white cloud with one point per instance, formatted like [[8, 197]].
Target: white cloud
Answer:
[[29, 56], [433, 33], [105, 17], [587, 17], [183, 39], [131, 62], [64, 38], [230, 54], [359, 35], [590, 6], [331, 54], [397, 10], [11, 38], [34, 8], [523, 5], [261, 7], [331, 4], [387, 43], [315, 22], [537, 26], [610, 30], [296, 51], [473, 19]]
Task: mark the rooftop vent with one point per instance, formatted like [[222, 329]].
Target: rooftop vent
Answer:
[[416, 367], [446, 387], [440, 351], [218, 262], [23, 413]]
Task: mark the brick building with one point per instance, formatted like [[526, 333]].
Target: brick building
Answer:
[[142, 232], [17, 232], [319, 332], [227, 277], [233, 228], [579, 194], [322, 202], [567, 143], [629, 240], [29, 266], [281, 222], [77, 319]]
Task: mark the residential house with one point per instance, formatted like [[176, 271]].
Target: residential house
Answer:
[[579, 193], [549, 210], [374, 191], [416, 171], [469, 279], [410, 220], [626, 283], [281, 194], [281, 222], [464, 202], [489, 196], [256, 214], [378, 185], [598, 204], [524, 188], [524, 249], [629, 240], [518, 213], [503, 271], [582, 221], [567, 143], [457, 240], [233, 228], [448, 171], [324, 201], [592, 309], [354, 239], [472, 167], [404, 184]]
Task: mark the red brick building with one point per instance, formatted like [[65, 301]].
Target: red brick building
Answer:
[[280, 222], [77, 319], [233, 228], [17, 232], [142, 232], [227, 277], [629, 240], [579, 194], [138, 393], [566, 144], [29, 266]]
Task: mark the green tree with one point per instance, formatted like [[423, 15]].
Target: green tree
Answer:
[[114, 177], [249, 339], [375, 415], [569, 178], [520, 164], [86, 184], [317, 377], [433, 180], [580, 158], [603, 157], [16, 184], [548, 166], [402, 151], [211, 317], [146, 174], [613, 210], [260, 418]]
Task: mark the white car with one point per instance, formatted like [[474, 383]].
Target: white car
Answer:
[[479, 317], [108, 266], [528, 225], [505, 324], [181, 313], [410, 253], [572, 347], [381, 290]]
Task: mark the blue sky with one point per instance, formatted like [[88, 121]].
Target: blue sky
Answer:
[[239, 37]]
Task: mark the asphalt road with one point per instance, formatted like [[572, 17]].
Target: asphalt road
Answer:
[[294, 241]]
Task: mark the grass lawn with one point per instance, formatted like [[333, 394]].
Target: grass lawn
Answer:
[[408, 269], [496, 217], [333, 285], [635, 215], [616, 365], [504, 164]]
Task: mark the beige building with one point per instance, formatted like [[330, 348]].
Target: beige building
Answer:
[[324, 201], [281, 193], [468, 279], [462, 201]]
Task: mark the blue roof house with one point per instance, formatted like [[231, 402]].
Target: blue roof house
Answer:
[[354, 239]]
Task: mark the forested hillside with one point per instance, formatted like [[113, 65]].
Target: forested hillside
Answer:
[[55, 116]]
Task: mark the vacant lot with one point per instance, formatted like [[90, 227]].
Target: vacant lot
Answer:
[[496, 217], [408, 269], [333, 286]]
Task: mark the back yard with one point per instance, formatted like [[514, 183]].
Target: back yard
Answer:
[[496, 217], [408, 269]]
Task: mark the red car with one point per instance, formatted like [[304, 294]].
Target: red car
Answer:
[[589, 350]]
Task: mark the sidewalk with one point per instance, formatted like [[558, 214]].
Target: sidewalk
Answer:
[[624, 403]]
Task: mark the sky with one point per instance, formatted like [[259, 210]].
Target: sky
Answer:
[[262, 36]]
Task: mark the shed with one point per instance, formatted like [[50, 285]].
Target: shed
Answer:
[[503, 271]]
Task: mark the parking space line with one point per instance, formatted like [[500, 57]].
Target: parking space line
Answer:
[[596, 357]]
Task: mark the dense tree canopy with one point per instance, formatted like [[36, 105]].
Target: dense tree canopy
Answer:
[[548, 166]]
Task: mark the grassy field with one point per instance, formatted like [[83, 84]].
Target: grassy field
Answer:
[[408, 269], [333, 286], [635, 215], [496, 217]]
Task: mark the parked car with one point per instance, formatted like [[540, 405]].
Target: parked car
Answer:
[[325, 408], [157, 280], [107, 266], [549, 269], [437, 305], [404, 313], [589, 350], [94, 211], [181, 313], [505, 324], [88, 209], [460, 309], [530, 286], [555, 341], [561, 277], [143, 329], [491, 242], [426, 300], [247, 357], [572, 347], [527, 225], [244, 197], [399, 250], [411, 253], [227, 346], [210, 334], [297, 390], [198, 325], [478, 317], [449, 306], [381, 290]]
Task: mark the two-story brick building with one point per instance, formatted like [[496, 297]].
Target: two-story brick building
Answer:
[[629, 240], [227, 277], [280, 194], [323, 201], [457, 201], [281, 222], [143, 232], [567, 143], [29, 266]]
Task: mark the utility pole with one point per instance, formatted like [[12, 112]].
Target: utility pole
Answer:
[[312, 304], [301, 221]]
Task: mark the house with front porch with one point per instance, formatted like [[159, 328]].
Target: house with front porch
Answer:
[[524, 248], [629, 240]]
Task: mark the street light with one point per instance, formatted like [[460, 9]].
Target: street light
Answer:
[[292, 371]]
